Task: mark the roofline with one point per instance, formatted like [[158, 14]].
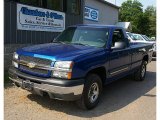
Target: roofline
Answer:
[[108, 3]]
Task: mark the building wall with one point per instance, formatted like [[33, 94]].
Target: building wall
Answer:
[[108, 15], [14, 39]]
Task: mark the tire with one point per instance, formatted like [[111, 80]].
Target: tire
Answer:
[[89, 100], [140, 74]]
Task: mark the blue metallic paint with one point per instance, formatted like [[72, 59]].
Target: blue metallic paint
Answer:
[[87, 58]]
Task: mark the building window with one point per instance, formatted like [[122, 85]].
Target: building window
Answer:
[[69, 6], [73, 6], [32, 2], [55, 4], [49, 4]]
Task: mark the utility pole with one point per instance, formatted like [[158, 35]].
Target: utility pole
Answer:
[[115, 2]]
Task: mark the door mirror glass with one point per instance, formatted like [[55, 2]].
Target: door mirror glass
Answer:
[[119, 45]]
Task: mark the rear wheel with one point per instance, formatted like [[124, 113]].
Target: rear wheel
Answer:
[[91, 92], [140, 74]]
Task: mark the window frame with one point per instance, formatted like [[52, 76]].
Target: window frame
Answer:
[[123, 37], [78, 6]]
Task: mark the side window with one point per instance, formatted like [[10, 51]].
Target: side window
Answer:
[[118, 36]]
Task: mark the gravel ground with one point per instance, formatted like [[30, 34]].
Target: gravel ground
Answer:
[[124, 99]]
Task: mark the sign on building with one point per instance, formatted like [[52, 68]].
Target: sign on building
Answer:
[[39, 19], [91, 13]]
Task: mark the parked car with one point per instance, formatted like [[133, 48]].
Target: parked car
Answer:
[[153, 38], [145, 39], [79, 62], [138, 38], [142, 38], [131, 37]]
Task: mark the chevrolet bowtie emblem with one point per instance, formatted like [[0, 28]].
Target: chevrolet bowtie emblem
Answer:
[[31, 65]]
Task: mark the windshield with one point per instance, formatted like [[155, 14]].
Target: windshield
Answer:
[[131, 36], [84, 36], [138, 37]]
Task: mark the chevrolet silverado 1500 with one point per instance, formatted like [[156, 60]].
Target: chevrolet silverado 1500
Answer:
[[79, 62]]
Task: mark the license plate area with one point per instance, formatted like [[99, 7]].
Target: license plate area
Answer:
[[26, 84]]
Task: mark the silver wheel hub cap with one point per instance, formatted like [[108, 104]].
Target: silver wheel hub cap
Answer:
[[93, 92]]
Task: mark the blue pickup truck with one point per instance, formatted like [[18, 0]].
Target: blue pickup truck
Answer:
[[77, 64]]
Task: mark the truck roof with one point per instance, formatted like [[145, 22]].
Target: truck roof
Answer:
[[97, 26]]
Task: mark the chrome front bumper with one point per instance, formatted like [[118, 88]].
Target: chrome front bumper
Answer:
[[65, 91]]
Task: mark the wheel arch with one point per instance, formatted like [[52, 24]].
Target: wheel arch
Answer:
[[145, 58], [100, 71]]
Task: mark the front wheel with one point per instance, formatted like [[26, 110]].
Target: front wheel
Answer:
[[91, 93], [140, 74]]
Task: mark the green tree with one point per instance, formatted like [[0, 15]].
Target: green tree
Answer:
[[143, 25], [142, 22], [150, 12], [132, 11]]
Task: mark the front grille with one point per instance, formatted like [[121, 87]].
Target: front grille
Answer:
[[34, 70], [38, 61], [41, 61]]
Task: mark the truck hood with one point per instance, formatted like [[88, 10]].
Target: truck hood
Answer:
[[57, 51]]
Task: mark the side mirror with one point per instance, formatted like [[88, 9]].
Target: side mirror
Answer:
[[119, 45]]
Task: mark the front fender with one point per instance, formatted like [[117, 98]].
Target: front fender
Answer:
[[88, 63]]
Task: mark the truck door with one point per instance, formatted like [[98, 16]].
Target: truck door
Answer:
[[119, 59]]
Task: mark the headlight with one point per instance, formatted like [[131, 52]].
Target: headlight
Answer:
[[63, 64], [15, 56], [15, 64], [63, 69]]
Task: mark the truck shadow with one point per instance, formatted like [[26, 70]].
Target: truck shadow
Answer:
[[115, 96]]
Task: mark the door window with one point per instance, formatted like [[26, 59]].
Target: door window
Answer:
[[118, 36]]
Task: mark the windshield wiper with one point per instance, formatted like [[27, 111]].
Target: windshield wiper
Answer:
[[80, 44]]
